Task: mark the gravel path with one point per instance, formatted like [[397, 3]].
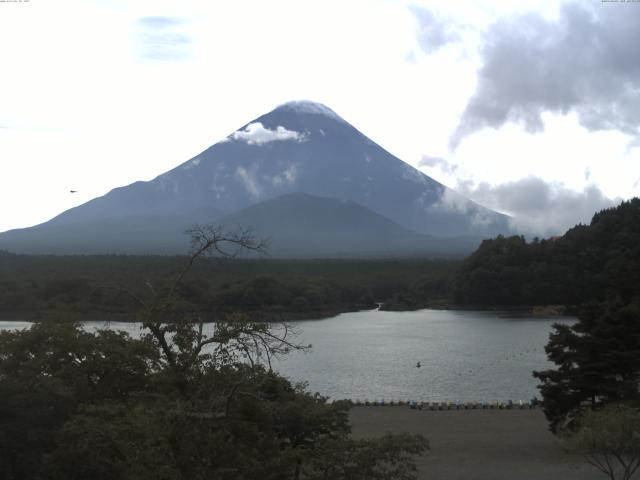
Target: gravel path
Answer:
[[478, 444]]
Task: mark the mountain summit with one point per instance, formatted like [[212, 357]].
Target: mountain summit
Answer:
[[298, 147]]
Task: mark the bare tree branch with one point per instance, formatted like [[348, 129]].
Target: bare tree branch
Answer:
[[185, 344]]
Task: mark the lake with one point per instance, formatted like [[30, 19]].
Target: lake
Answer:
[[464, 355]]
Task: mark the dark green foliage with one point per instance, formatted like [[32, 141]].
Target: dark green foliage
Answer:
[[85, 286], [587, 263], [432, 288], [182, 403], [78, 405], [597, 359], [47, 372]]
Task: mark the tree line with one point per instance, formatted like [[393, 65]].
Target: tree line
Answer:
[[177, 404], [587, 263], [85, 286]]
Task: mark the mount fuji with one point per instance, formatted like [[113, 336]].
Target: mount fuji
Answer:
[[337, 187]]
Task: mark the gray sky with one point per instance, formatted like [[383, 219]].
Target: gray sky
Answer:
[[528, 107]]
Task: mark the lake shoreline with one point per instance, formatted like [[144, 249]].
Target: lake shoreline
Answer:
[[257, 316], [535, 310], [288, 316]]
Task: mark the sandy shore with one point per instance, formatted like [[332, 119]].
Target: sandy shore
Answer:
[[478, 444]]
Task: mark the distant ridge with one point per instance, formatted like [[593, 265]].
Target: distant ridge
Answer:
[[303, 225]]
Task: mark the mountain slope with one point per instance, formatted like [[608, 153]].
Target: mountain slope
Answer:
[[302, 225], [298, 147], [130, 234], [306, 147]]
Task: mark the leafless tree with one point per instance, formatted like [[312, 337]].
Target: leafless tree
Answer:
[[609, 439], [182, 339]]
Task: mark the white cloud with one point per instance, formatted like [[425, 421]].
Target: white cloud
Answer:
[[249, 182], [539, 207], [160, 39], [438, 162], [257, 134], [535, 206], [433, 32], [452, 201], [579, 62], [288, 176]]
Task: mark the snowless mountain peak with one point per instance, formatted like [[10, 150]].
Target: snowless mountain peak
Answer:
[[308, 107]]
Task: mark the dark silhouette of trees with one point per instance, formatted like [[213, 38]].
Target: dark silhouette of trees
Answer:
[[187, 401], [597, 362], [587, 263], [266, 289]]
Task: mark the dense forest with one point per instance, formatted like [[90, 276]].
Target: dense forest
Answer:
[[95, 287], [176, 404], [589, 262]]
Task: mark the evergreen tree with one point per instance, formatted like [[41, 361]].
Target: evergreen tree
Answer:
[[587, 263], [597, 362]]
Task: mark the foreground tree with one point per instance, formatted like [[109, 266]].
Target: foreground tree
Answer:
[[609, 439], [387, 457], [187, 401], [47, 373], [598, 362]]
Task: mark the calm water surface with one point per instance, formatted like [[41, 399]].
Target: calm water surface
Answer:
[[481, 356], [464, 355]]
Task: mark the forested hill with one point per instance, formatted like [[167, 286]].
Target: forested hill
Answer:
[[589, 262]]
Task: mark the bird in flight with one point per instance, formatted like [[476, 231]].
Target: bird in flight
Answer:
[[72, 191]]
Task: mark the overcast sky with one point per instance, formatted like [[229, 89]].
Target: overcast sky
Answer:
[[529, 107]]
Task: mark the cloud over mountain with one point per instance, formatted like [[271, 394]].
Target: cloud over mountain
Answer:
[[438, 162], [256, 134], [536, 206], [585, 62], [539, 207]]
